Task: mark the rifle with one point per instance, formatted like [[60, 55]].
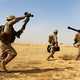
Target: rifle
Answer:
[[73, 29]]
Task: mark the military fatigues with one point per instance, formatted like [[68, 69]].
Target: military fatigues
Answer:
[[77, 44], [77, 40], [53, 45], [7, 51], [6, 48], [5, 44], [53, 41]]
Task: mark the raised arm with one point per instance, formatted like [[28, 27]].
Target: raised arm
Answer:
[[18, 34], [15, 20], [28, 15]]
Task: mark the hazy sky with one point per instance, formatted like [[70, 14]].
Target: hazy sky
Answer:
[[48, 15]]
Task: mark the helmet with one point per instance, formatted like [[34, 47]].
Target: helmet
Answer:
[[55, 31], [10, 18]]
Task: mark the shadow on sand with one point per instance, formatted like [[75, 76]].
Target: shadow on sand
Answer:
[[35, 70]]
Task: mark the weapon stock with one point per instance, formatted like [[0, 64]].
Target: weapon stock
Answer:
[[73, 29]]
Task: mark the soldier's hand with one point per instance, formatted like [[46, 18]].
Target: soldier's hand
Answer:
[[27, 14]]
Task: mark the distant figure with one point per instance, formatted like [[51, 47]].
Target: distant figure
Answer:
[[7, 36], [53, 44], [76, 40], [77, 44]]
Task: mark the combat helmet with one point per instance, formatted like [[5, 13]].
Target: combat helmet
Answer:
[[8, 18], [55, 31]]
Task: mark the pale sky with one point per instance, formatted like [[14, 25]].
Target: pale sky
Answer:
[[48, 16]]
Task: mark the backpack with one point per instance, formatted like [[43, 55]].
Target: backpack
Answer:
[[5, 36]]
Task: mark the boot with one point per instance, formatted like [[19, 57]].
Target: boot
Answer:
[[3, 66]]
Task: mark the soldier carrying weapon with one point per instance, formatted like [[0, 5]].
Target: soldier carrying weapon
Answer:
[[53, 44], [76, 41], [8, 36]]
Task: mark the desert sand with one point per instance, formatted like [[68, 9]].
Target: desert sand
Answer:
[[31, 64]]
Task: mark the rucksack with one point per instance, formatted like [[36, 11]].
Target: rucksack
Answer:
[[4, 37]]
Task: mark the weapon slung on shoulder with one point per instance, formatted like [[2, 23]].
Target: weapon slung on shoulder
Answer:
[[73, 29]]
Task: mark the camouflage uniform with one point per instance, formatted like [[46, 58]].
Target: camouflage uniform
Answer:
[[77, 40], [5, 45], [6, 48], [53, 44], [77, 44]]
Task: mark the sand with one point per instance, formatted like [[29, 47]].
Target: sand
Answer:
[[31, 64]]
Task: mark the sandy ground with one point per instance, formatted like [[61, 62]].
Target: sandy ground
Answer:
[[31, 64]]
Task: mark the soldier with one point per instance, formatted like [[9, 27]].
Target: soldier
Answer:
[[77, 44], [53, 44], [8, 52]]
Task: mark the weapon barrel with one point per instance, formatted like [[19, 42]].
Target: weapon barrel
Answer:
[[73, 29]]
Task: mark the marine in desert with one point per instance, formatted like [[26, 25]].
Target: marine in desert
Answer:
[[8, 36], [76, 40], [53, 44]]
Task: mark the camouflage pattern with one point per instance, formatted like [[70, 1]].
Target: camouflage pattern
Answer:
[[7, 48], [6, 35], [53, 44], [52, 39], [77, 40], [77, 44]]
